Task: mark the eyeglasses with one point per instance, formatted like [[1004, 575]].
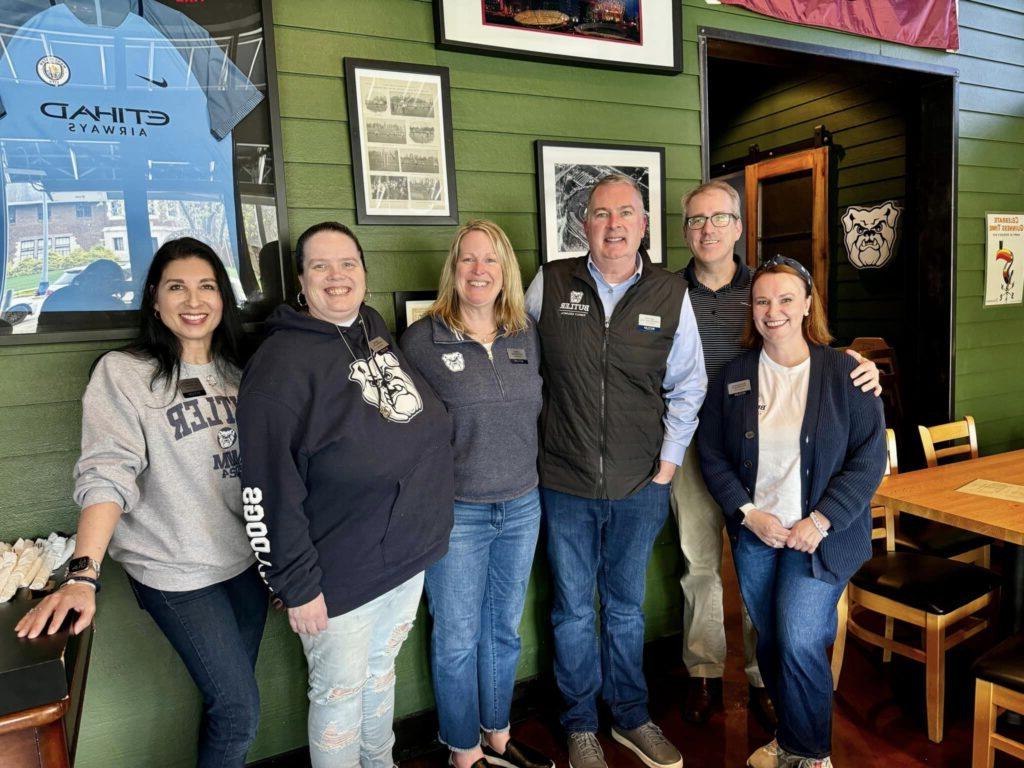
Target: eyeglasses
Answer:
[[779, 260], [718, 219]]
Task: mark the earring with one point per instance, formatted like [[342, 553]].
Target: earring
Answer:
[[300, 299], [157, 313]]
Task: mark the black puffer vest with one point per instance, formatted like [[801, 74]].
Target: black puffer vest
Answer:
[[601, 429]]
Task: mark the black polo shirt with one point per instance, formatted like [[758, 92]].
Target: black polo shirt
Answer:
[[721, 315]]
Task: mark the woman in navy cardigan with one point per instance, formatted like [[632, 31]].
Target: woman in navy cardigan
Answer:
[[793, 454]]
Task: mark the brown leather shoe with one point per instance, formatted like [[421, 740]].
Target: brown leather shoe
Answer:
[[703, 696], [761, 707]]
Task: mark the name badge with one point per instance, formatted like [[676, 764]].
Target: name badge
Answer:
[[377, 345], [738, 387], [649, 322], [517, 356], [191, 388]]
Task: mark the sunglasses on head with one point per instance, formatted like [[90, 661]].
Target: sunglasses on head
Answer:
[[784, 261]]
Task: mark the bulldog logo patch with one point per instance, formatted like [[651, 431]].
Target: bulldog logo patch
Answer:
[[871, 234], [454, 360]]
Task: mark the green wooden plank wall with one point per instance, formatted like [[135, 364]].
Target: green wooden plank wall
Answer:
[[140, 708]]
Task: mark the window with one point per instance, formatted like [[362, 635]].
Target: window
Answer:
[[27, 248], [118, 243], [62, 245], [39, 212], [83, 210], [115, 209]]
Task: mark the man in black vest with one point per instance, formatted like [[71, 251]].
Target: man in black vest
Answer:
[[624, 379]]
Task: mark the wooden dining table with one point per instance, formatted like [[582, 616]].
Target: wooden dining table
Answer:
[[934, 493]]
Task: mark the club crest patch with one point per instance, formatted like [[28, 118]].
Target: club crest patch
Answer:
[[575, 297], [53, 70], [227, 437], [454, 360]]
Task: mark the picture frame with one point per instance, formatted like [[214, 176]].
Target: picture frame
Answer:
[[75, 248], [632, 35], [1004, 245], [565, 173], [400, 128], [410, 306]]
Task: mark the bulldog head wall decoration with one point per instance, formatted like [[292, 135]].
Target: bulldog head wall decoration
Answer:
[[871, 234]]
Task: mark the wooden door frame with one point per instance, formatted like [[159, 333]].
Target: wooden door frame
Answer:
[[941, 277], [813, 160]]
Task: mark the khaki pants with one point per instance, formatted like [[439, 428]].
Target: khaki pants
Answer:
[[701, 524]]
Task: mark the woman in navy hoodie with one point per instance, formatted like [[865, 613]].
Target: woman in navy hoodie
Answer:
[[792, 453], [347, 475]]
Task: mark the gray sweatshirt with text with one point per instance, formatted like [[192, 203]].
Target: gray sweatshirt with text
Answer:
[[172, 464]]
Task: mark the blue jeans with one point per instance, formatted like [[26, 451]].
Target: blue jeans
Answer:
[[216, 631], [795, 618], [352, 680], [607, 544], [476, 596]]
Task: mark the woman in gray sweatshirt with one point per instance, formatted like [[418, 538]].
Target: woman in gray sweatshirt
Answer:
[[158, 484], [478, 349]]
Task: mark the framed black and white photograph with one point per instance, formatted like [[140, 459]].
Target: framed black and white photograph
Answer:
[[410, 306], [400, 123], [565, 173], [149, 122], [637, 35]]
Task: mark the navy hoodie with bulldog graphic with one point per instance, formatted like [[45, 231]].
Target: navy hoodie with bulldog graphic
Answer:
[[347, 462]]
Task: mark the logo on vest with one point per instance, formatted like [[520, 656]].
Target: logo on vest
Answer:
[[454, 360], [574, 306]]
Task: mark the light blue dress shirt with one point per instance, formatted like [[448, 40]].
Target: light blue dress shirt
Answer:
[[685, 382]]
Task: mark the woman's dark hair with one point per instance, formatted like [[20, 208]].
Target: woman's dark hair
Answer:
[[316, 229], [156, 341]]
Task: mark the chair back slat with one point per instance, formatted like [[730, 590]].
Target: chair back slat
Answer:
[[949, 433], [892, 467]]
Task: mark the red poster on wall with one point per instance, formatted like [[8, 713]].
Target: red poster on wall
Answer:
[[924, 23]]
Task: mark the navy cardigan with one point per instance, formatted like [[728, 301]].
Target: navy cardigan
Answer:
[[842, 454]]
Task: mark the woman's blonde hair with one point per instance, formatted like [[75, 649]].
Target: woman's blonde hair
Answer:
[[510, 304], [814, 325]]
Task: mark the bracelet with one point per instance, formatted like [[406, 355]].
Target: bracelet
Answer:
[[94, 583], [818, 525]]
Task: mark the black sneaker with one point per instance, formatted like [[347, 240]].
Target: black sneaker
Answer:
[[517, 755]]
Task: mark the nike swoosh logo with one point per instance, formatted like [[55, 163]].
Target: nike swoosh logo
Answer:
[[161, 83]]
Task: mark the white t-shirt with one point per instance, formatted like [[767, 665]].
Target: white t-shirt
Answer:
[[781, 401]]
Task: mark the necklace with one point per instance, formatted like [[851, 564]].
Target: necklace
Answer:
[[483, 338], [375, 378]]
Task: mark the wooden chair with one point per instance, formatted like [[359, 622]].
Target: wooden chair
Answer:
[[878, 531], [999, 686], [878, 351], [943, 598], [940, 443]]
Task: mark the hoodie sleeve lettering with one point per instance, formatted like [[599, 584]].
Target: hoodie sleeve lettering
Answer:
[[273, 492]]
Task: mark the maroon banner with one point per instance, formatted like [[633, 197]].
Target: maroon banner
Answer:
[[924, 23]]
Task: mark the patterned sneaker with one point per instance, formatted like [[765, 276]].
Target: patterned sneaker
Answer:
[[585, 751], [649, 744], [815, 762], [768, 756]]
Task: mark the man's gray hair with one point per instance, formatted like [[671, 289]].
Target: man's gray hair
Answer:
[[616, 178], [721, 186]]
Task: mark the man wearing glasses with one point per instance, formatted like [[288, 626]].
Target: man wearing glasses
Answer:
[[719, 289]]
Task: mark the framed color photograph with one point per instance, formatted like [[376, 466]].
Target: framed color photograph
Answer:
[[639, 35], [400, 123], [410, 306], [565, 173]]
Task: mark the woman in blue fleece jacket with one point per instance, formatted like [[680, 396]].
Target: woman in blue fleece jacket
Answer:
[[792, 453], [347, 490]]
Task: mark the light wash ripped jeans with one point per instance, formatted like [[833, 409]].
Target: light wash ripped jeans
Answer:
[[352, 680]]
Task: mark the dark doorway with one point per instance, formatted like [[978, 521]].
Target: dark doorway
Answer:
[[883, 251]]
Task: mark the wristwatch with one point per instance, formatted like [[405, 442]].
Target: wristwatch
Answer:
[[79, 564]]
